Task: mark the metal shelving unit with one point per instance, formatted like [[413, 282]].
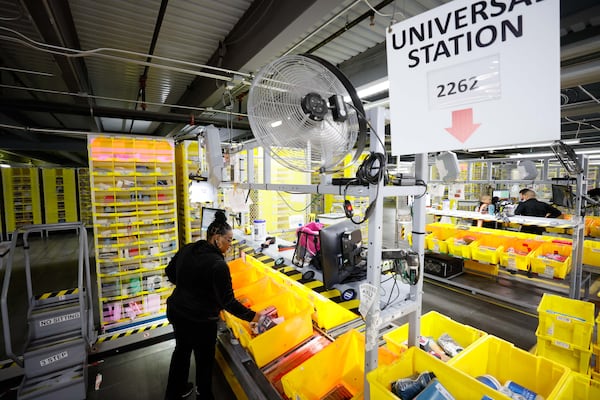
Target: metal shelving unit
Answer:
[[135, 230], [410, 307]]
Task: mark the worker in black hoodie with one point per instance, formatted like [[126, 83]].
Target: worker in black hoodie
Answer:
[[203, 289], [532, 207]]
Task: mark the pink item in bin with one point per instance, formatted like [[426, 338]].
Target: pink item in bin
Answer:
[[133, 309], [112, 312], [152, 303]]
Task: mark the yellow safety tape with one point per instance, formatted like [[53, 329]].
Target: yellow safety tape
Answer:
[[350, 304], [46, 296], [331, 293], [313, 284], [262, 258], [131, 332], [8, 365]]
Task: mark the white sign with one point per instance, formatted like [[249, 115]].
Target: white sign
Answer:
[[473, 74]]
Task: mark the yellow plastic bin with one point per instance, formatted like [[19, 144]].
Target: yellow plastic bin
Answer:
[[415, 361], [296, 327], [243, 274], [258, 292], [578, 387], [458, 245], [434, 324], [501, 359], [517, 253], [566, 320], [576, 359], [339, 365], [436, 241], [327, 314], [591, 253], [542, 265], [488, 249]]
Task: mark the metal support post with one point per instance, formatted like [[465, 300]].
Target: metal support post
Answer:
[[418, 245], [578, 234], [377, 118]]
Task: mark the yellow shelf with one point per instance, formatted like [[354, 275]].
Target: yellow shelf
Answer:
[[148, 164]]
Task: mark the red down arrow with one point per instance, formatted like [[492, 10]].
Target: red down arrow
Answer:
[[462, 124]]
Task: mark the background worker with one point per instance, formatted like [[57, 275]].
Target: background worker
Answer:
[[532, 207], [484, 207], [203, 288]]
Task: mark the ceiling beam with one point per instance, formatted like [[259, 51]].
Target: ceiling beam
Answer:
[[54, 22], [111, 112]]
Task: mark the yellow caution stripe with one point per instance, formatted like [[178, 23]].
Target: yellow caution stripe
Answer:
[[130, 332], [266, 260], [246, 249], [8, 365], [57, 294]]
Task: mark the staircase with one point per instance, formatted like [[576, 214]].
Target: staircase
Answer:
[[60, 327]]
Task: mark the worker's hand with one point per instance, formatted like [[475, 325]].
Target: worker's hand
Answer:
[[258, 315]]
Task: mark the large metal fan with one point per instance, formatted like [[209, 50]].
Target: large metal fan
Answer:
[[298, 110]]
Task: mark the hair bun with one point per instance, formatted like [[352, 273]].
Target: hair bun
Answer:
[[220, 217]]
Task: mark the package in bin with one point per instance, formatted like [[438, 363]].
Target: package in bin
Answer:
[[429, 345], [267, 320], [449, 345]]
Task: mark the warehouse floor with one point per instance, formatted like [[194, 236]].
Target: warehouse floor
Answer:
[[141, 373]]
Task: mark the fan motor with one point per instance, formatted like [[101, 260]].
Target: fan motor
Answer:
[[315, 106]]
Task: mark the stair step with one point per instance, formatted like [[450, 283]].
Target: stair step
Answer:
[[54, 319], [44, 357], [69, 384], [56, 297]]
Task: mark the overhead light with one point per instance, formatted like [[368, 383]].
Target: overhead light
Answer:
[[4, 166], [515, 146], [378, 86], [373, 88], [530, 155], [275, 124]]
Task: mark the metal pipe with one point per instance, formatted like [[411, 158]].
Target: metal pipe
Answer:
[[109, 112]]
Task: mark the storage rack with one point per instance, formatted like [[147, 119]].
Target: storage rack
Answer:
[[409, 307], [60, 196], [135, 227], [85, 197], [577, 279], [22, 204], [190, 161]]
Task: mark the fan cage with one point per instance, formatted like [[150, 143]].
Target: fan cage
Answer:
[[280, 125]]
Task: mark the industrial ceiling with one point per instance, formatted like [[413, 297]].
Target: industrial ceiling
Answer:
[[70, 68]]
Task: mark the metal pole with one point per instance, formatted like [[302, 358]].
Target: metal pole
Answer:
[[418, 245], [578, 234], [377, 119]]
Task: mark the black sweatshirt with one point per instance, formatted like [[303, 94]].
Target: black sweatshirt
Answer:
[[203, 284], [535, 208]]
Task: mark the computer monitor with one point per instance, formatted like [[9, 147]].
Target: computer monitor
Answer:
[[340, 253], [501, 194], [208, 216], [562, 196]]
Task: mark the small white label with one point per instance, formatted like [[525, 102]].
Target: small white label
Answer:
[[464, 83], [512, 262], [562, 318], [548, 272], [564, 345], [436, 247], [54, 358], [59, 319], [442, 390]]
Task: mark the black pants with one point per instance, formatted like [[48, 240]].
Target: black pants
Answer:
[[199, 337]]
